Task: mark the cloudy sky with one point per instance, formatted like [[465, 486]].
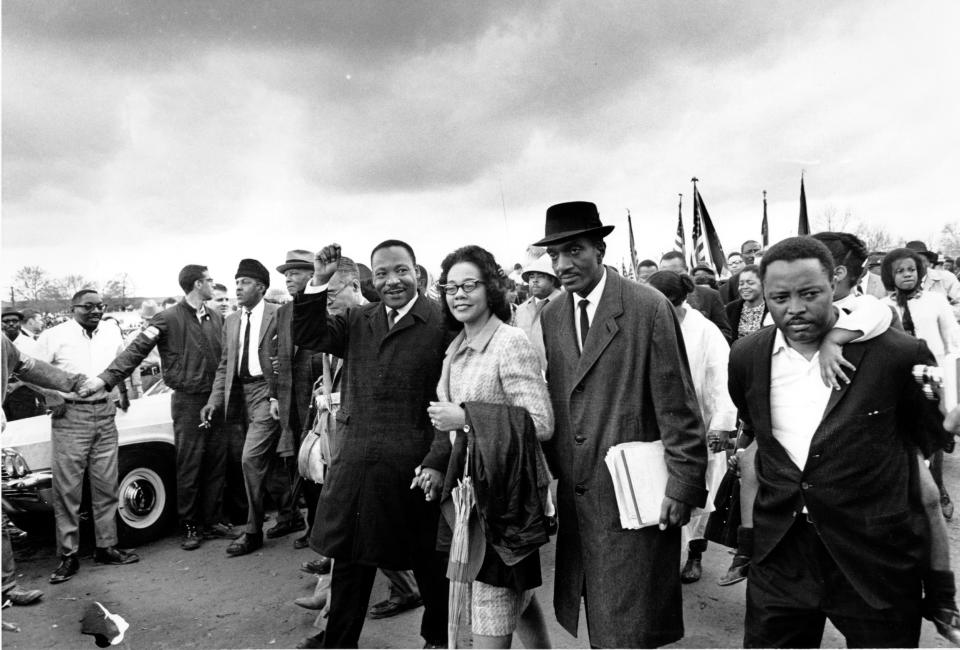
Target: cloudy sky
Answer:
[[142, 136]]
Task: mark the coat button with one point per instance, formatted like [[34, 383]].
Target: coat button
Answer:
[[580, 489], [580, 439], [579, 388], [804, 486]]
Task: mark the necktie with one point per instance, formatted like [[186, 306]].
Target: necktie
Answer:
[[245, 353], [584, 322], [392, 318]]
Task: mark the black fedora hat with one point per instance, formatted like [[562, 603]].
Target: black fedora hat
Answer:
[[566, 221]]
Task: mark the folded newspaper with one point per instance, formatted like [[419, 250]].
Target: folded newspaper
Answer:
[[639, 474]]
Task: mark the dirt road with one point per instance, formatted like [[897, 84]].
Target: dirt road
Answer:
[[204, 599]]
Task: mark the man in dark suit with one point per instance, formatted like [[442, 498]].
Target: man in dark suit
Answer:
[[838, 524], [705, 300], [617, 372], [297, 369], [249, 342], [368, 517]]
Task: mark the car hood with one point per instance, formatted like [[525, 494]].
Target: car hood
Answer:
[[147, 420]]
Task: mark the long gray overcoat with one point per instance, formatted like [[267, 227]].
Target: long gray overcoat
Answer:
[[632, 382], [367, 512]]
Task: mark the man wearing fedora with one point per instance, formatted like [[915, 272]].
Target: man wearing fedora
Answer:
[[544, 289], [617, 372], [297, 368], [249, 344], [188, 338]]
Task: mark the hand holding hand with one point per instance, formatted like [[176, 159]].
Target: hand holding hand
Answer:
[[91, 386], [446, 416], [673, 513], [429, 480], [325, 263]]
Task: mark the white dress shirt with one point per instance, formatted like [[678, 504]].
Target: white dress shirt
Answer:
[[69, 347], [256, 320], [593, 299], [27, 344], [798, 398]]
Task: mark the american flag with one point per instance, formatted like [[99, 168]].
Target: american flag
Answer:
[[680, 242], [698, 255]]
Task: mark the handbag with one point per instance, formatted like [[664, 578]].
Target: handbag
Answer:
[[314, 456]]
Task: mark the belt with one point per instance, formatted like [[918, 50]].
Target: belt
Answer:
[[250, 380], [150, 370], [89, 402]]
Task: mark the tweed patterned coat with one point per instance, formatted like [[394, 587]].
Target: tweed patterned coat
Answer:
[[631, 382]]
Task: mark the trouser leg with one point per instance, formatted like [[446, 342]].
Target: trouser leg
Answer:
[[263, 432], [403, 585], [350, 587], [311, 495], [430, 569], [71, 438], [189, 441], [9, 566], [103, 476]]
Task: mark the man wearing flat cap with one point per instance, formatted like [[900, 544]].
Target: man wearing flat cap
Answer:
[[297, 369], [617, 372], [188, 337], [249, 342]]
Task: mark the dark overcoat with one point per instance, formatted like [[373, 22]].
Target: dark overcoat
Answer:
[[367, 512], [859, 481], [298, 368], [632, 383]]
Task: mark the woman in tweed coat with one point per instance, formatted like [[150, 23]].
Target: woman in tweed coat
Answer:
[[493, 363]]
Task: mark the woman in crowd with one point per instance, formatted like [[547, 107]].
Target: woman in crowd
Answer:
[[747, 312], [492, 363], [707, 353]]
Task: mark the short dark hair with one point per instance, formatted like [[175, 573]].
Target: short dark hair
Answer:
[[80, 294], [703, 267], [749, 241], [750, 268], [737, 253], [673, 255], [30, 313], [190, 274], [390, 243], [674, 286], [493, 282], [220, 287], [798, 248], [847, 250], [648, 263], [894, 256]]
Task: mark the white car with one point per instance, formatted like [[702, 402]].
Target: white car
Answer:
[[146, 476]]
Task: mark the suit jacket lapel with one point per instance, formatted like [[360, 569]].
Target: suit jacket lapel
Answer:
[[853, 354], [269, 313], [567, 333], [761, 380], [603, 328]]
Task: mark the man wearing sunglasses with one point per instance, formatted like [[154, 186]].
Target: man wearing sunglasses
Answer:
[[84, 435]]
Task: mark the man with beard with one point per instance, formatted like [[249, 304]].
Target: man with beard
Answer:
[[187, 336], [392, 353], [84, 435]]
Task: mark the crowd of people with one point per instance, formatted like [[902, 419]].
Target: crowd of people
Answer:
[[376, 399]]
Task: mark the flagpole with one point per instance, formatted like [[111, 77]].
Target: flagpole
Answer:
[[764, 226]]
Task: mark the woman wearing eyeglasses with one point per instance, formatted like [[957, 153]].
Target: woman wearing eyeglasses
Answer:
[[489, 368]]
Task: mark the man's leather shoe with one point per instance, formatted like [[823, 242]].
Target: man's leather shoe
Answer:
[[321, 566], [218, 531], [315, 641], [113, 555], [388, 608], [286, 527], [302, 542], [68, 566], [18, 596], [191, 538], [948, 624], [738, 571], [246, 543], [692, 570], [316, 601]]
